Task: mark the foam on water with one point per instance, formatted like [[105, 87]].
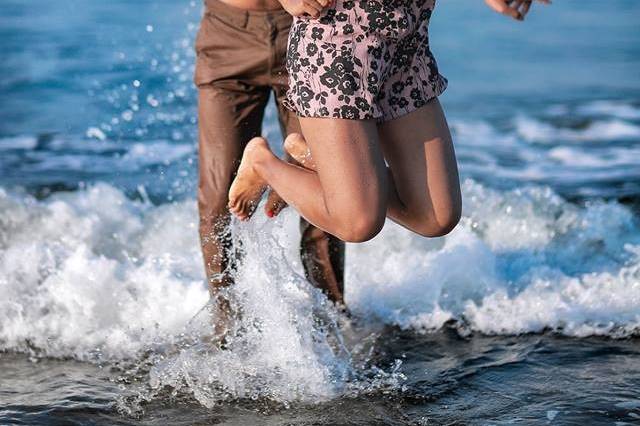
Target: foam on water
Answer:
[[537, 131], [522, 261], [73, 155], [619, 109], [18, 143], [96, 276], [282, 348], [92, 273], [612, 158], [574, 150]]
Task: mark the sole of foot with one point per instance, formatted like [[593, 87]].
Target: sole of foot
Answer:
[[247, 188]]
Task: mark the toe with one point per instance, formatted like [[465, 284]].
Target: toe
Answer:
[[278, 208], [237, 210], [245, 208]]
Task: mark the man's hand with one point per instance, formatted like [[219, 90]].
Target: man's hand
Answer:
[[305, 7], [517, 9]]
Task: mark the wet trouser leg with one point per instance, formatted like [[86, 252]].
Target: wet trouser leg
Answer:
[[224, 130]]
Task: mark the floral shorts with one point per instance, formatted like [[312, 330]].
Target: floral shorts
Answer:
[[367, 59]]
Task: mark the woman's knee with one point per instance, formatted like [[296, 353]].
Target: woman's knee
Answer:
[[362, 227], [438, 225]]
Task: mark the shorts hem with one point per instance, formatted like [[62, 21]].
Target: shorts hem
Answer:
[[438, 89]]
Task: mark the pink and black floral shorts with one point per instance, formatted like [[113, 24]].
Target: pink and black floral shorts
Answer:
[[367, 59]]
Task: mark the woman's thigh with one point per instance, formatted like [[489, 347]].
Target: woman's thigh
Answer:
[[350, 164], [420, 154]]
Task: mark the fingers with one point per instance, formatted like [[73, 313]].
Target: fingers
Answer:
[[516, 4], [525, 8], [512, 12], [501, 6], [314, 7], [521, 6]]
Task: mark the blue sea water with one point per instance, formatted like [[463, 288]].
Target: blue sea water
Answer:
[[528, 313]]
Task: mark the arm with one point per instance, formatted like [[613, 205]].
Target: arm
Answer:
[[304, 7], [517, 9]]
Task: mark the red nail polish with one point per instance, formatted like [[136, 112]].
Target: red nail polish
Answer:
[[269, 213]]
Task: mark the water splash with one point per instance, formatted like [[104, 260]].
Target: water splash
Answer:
[[118, 280]]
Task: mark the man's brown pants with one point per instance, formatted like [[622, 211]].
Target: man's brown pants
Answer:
[[240, 61]]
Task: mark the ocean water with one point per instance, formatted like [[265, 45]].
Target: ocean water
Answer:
[[528, 313]]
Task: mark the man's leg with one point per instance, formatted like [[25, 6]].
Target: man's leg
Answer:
[[323, 260], [227, 120]]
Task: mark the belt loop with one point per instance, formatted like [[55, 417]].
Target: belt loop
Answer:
[[270, 24]]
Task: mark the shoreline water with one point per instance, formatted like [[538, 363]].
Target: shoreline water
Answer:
[[473, 380]]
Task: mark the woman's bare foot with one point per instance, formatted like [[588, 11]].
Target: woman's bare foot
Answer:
[[275, 204], [296, 147], [247, 188]]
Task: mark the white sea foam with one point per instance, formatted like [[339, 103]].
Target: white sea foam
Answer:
[[160, 152], [600, 159], [18, 142], [521, 262], [618, 109], [93, 274], [576, 157], [98, 154], [285, 348], [95, 132], [480, 134], [537, 131], [91, 271]]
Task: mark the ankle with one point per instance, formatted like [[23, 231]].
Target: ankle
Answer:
[[266, 164], [261, 162]]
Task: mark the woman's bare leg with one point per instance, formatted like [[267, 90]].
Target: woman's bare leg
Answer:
[[424, 189], [419, 151], [346, 195]]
